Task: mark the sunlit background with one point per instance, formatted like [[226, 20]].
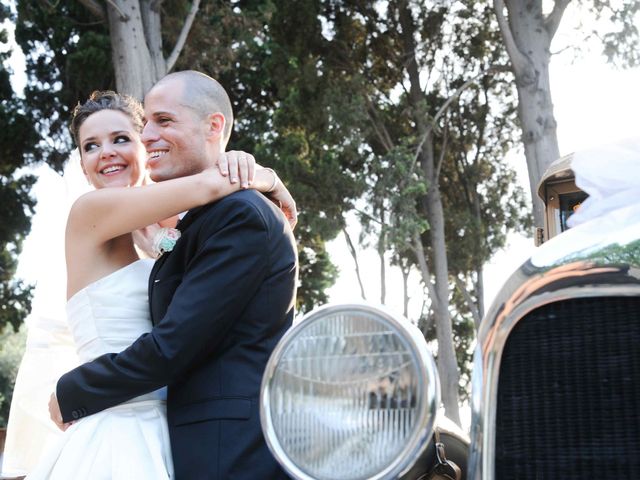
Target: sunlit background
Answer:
[[594, 102]]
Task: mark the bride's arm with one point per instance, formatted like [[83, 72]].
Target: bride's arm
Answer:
[[107, 213], [144, 238]]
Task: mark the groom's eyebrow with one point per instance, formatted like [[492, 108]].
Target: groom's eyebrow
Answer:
[[162, 112]]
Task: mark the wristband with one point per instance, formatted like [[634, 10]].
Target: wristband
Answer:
[[275, 180]]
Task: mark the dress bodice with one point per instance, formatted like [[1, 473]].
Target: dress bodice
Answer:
[[109, 314], [129, 440]]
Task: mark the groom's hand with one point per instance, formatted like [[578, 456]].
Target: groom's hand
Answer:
[[56, 414]]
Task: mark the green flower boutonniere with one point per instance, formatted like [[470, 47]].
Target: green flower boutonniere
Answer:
[[165, 239]]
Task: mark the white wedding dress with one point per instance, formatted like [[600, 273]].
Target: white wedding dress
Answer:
[[130, 440]]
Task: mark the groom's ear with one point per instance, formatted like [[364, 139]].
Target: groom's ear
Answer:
[[215, 124]]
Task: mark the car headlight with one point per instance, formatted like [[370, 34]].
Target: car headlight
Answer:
[[349, 393]]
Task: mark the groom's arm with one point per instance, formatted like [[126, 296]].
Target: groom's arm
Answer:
[[227, 271]]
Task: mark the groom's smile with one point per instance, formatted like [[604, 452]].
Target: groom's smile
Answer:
[[175, 134], [153, 157]]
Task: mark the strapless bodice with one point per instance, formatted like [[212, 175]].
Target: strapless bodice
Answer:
[[109, 314], [129, 440]]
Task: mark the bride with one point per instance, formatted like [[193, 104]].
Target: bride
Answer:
[[107, 306]]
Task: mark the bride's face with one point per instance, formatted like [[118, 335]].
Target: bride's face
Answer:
[[111, 152]]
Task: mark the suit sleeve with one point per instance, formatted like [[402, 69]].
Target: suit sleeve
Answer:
[[227, 270]]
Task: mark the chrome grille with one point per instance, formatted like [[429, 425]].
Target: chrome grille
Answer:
[[569, 392]]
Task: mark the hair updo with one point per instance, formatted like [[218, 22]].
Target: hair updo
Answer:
[[106, 100]]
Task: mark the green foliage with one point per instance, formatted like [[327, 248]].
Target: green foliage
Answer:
[[316, 267], [614, 254], [278, 99], [366, 61], [68, 55], [268, 54], [17, 137], [621, 43], [12, 345]]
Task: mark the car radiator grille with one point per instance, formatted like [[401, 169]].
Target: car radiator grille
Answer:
[[569, 393]]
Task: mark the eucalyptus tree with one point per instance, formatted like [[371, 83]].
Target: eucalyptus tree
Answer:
[[135, 33], [528, 28], [73, 48], [408, 95], [272, 66]]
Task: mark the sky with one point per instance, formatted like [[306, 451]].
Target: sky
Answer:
[[593, 102]]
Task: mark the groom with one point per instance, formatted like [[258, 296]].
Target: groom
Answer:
[[220, 301]]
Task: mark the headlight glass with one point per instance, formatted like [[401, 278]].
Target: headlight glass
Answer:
[[350, 393]]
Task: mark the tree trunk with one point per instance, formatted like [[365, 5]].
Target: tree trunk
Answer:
[[382, 247], [153, 35], [527, 36], [479, 283], [405, 268], [134, 69], [480, 292], [446, 360], [535, 110]]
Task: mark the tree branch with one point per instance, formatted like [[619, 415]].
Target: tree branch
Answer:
[[552, 22], [518, 59], [95, 8], [123, 16], [448, 103], [443, 150], [365, 214], [473, 308], [456, 94], [418, 251], [182, 38], [354, 254], [379, 127]]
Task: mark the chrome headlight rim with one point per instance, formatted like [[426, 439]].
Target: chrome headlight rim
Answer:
[[427, 377]]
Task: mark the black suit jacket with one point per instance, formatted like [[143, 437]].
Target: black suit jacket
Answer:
[[220, 301]]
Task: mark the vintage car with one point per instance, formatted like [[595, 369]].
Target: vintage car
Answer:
[[556, 375], [351, 392]]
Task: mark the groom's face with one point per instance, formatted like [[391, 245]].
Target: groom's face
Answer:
[[174, 135]]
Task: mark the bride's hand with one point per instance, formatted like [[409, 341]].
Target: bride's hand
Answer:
[[143, 238], [55, 414], [279, 195], [237, 164], [266, 181]]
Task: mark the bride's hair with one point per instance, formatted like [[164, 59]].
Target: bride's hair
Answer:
[[106, 100]]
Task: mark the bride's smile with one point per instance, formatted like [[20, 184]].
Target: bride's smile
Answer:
[[111, 152]]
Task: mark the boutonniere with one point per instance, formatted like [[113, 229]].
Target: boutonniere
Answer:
[[165, 239]]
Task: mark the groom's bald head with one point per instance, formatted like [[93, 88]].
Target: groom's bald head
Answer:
[[202, 94]]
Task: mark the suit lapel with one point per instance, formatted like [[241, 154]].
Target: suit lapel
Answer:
[[188, 219], [182, 225], [152, 280]]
